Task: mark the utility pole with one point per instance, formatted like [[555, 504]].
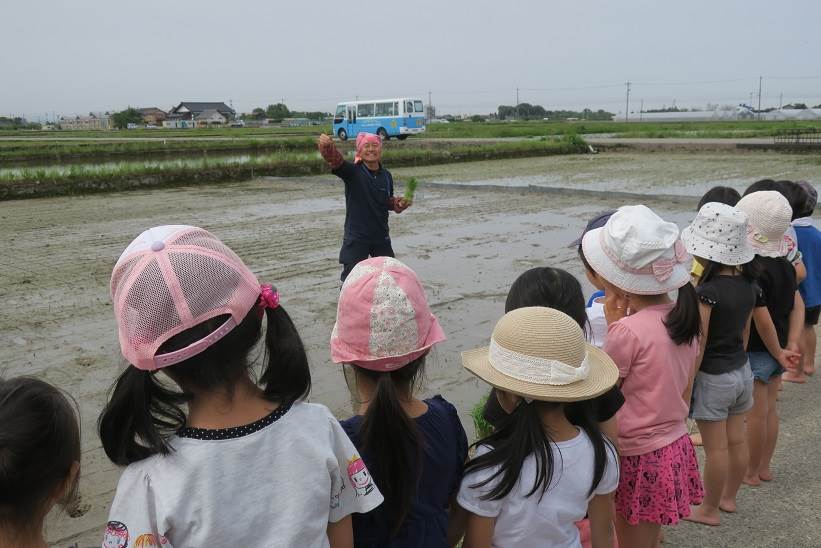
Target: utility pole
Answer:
[[780, 99], [430, 108], [517, 103], [627, 107], [641, 111], [759, 96]]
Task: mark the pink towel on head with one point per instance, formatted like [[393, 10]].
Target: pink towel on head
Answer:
[[362, 139]]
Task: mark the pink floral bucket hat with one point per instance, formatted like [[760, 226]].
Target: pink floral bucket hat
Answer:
[[383, 320]]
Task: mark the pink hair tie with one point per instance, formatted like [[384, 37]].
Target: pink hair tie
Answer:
[[269, 298]]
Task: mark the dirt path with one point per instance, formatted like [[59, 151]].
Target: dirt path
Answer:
[[467, 244]]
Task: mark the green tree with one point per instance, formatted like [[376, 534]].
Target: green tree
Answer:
[[257, 114], [128, 116], [277, 112]]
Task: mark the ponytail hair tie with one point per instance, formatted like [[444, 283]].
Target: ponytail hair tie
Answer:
[[268, 298]]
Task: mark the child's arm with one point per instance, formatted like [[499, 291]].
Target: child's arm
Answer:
[[747, 331], [766, 330], [457, 520], [704, 311], [479, 531], [340, 534], [796, 323], [600, 511]]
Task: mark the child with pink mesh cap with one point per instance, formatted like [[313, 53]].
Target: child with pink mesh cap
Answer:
[[248, 464], [415, 448]]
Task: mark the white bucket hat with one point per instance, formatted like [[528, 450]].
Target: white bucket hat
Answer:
[[768, 216], [719, 234], [638, 252], [540, 353]]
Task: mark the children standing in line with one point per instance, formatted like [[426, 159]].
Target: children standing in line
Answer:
[[39, 458], [777, 324], [809, 243], [654, 343], [723, 384], [415, 449], [246, 465], [537, 475]]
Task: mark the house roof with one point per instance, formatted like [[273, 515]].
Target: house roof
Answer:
[[150, 110], [202, 107], [208, 114]]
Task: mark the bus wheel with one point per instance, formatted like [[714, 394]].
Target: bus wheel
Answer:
[[402, 137], [383, 134], [343, 135]]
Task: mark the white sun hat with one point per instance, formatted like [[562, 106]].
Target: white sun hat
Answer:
[[719, 234], [768, 215], [540, 353], [638, 252]]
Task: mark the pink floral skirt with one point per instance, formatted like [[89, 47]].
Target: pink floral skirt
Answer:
[[660, 486]]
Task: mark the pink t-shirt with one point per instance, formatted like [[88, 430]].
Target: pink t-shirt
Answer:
[[655, 372]]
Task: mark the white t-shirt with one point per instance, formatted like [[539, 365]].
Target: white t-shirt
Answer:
[[598, 324], [276, 482], [523, 521]]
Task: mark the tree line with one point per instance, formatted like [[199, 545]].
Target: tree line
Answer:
[[526, 111], [280, 111]]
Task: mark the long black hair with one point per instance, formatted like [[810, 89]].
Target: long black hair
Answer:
[[683, 323], [39, 445], [522, 433], [392, 440], [142, 412], [749, 271]]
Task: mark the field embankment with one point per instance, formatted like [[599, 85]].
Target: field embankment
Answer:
[[83, 179]]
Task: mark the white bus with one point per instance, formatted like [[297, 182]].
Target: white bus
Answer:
[[384, 117]]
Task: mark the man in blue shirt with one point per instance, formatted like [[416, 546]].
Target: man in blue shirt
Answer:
[[368, 199]]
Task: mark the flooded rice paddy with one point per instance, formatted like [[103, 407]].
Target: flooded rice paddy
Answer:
[[473, 228]]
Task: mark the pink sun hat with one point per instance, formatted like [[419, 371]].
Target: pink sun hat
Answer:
[[170, 279], [383, 320]]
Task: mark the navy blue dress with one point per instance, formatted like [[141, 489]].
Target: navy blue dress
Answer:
[[445, 450]]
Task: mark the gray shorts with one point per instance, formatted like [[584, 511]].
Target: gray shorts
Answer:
[[715, 397]]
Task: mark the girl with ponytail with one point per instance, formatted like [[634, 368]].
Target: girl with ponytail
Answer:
[[414, 448], [215, 457]]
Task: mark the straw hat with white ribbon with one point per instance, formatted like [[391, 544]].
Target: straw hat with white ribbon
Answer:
[[540, 353]]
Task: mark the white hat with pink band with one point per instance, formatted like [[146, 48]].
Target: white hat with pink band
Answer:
[[638, 252]]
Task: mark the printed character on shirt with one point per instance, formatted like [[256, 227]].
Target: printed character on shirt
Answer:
[[115, 535], [360, 478]]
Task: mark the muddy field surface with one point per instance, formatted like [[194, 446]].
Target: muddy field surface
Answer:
[[468, 240]]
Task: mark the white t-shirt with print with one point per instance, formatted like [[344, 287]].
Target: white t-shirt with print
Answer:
[[523, 521], [275, 483]]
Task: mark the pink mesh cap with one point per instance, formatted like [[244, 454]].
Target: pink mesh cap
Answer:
[[383, 320], [170, 279]]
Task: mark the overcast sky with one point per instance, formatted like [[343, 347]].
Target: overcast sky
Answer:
[[72, 57]]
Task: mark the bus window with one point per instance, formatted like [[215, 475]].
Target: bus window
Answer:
[[408, 107], [417, 106], [364, 110], [395, 109], [383, 109], [340, 114]]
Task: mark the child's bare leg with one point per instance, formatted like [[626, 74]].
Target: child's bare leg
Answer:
[[757, 430], [764, 471], [714, 436], [642, 535], [737, 449], [809, 343]]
